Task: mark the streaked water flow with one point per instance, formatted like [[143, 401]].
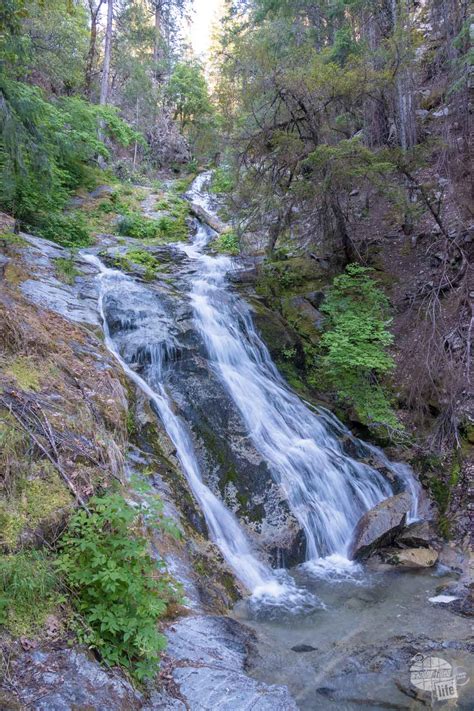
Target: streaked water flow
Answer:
[[268, 588], [327, 490]]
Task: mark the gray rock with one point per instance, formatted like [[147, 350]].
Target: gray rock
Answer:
[[410, 557], [315, 298], [307, 311], [418, 535], [67, 680], [52, 294], [379, 526], [101, 190], [213, 652]]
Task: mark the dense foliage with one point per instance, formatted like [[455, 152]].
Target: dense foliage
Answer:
[[54, 130], [118, 589], [356, 341]]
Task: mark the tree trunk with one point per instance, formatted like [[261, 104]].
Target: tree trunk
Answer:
[[157, 41], [405, 107], [91, 54], [104, 87]]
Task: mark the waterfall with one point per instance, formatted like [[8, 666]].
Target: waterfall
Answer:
[[224, 528], [327, 490]]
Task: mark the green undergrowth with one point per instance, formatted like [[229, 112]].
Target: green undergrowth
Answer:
[[222, 181], [68, 230], [227, 243], [355, 345], [163, 229], [118, 590], [66, 269], [37, 498], [144, 259], [30, 590]]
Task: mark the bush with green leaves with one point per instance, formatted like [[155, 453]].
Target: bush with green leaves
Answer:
[[356, 342], [68, 230], [165, 229], [227, 243], [119, 591], [222, 181], [144, 259]]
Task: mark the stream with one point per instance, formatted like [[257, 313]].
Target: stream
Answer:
[[334, 633]]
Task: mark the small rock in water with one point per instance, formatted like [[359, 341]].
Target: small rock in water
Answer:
[[326, 691], [303, 648]]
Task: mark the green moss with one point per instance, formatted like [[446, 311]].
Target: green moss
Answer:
[[37, 502], [24, 370], [43, 497], [11, 526], [11, 237]]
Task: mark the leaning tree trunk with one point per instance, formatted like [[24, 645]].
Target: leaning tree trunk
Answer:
[[104, 86]]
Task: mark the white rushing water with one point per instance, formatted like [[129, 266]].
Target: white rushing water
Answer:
[[326, 490], [224, 528]]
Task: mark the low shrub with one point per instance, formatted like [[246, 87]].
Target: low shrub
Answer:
[[66, 269], [118, 589], [355, 344], [227, 243], [68, 230]]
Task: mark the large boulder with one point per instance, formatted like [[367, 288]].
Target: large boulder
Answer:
[[380, 526]]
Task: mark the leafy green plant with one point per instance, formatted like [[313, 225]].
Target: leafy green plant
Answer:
[[66, 269], [145, 259], [221, 181], [46, 147], [118, 589], [29, 590], [228, 243], [67, 230], [356, 344]]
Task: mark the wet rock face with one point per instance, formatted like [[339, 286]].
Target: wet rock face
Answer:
[[204, 669], [68, 680], [230, 463], [155, 332], [209, 655], [379, 526]]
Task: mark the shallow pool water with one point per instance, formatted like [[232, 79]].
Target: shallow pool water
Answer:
[[355, 650]]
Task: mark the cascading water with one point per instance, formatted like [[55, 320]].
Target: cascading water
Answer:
[[327, 490], [143, 313]]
